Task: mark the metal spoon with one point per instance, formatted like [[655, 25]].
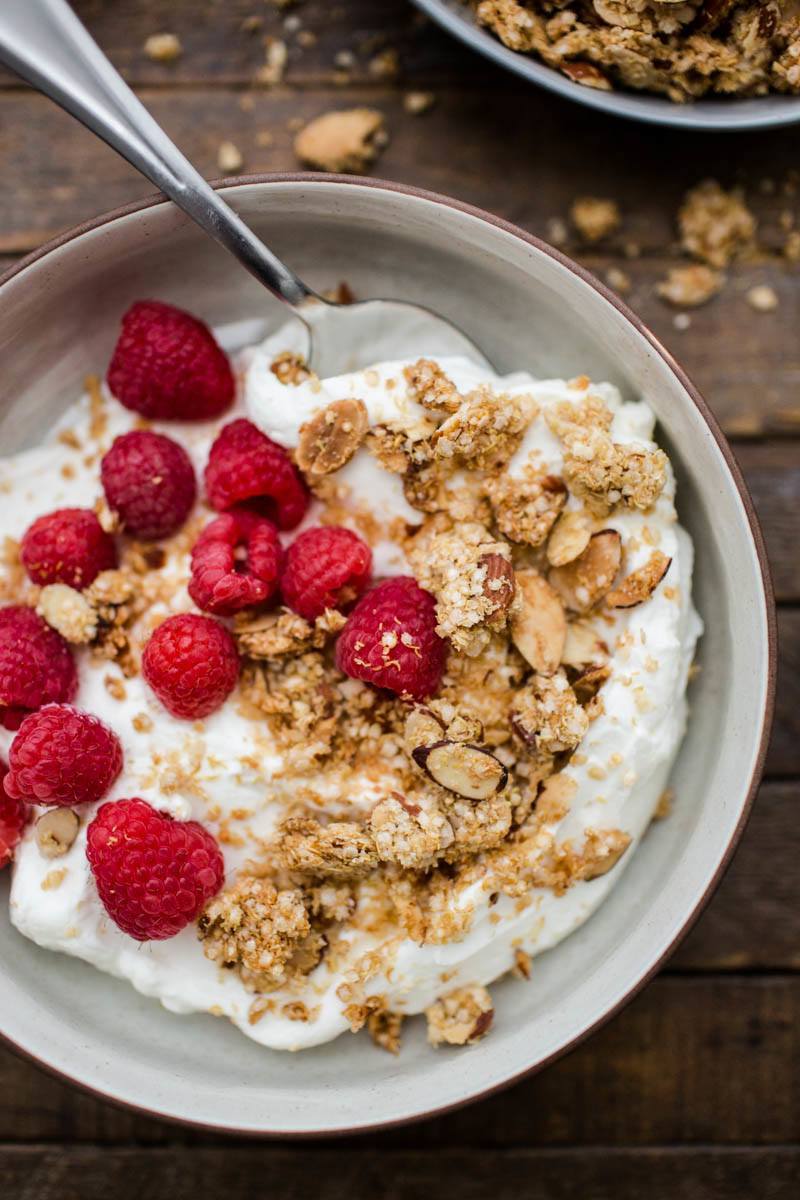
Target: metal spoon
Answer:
[[45, 43]]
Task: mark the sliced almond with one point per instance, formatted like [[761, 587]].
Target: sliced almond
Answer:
[[499, 586], [56, 831], [587, 74], [538, 623], [332, 436], [583, 583], [640, 584], [584, 647], [603, 851], [422, 728], [467, 770], [569, 538], [587, 684]]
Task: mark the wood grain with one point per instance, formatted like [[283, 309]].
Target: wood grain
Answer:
[[693, 1090], [660, 1173]]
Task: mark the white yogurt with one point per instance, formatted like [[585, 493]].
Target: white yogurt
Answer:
[[627, 752]]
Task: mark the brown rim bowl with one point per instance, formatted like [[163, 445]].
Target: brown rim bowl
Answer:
[[528, 307]]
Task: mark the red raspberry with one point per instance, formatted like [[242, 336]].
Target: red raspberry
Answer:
[[326, 567], [36, 665], [167, 365], [192, 665], [63, 756], [222, 582], [390, 639], [244, 464], [67, 546], [149, 482], [13, 818], [153, 873]]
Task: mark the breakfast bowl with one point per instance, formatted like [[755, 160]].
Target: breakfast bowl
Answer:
[[526, 305], [718, 114]]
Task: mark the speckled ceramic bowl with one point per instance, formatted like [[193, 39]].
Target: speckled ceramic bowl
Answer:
[[718, 114], [528, 306]]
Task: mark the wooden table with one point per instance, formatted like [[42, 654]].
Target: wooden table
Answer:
[[694, 1090]]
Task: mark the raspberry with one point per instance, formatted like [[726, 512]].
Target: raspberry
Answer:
[[63, 756], [167, 364], [222, 582], [326, 567], [149, 482], [153, 873], [390, 639], [192, 665], [244, 464], [36, 665], [67, 546], [13, 818]]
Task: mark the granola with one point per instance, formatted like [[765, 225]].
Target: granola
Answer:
[[360, 828], [682, 50]]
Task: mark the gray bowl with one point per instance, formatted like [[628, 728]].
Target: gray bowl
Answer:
[[526, 305], [718, 114]]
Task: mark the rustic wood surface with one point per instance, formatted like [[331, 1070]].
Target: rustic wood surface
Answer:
[[694, 1090]]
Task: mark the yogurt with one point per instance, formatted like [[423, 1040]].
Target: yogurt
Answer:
[[227, 772]]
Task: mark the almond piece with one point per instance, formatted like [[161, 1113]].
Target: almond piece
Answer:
[[469, 771], [538, 623], [332, 436], [584, 582], [587, 74], [603, 851], [499, 586], [584, 647], [569, 538], [640, 584], [56, 831], [588, 683]]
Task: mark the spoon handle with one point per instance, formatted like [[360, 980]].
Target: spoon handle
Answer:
[[44, 42]]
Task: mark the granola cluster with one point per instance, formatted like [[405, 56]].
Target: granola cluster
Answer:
[[681, 50], [398, 818], [467, 788]]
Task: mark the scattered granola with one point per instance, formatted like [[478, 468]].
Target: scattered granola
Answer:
[[229, 158], [597, 469], [691, 286], [460, 1018], [418, 103], [460, 567], [256, 928], [762, 298], [526, 505], [163, 47], [716, 226], [349, 140], [595, 218], [341, 850]]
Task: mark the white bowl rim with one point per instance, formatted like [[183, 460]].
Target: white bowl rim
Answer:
[[769, 612], [633, 106]]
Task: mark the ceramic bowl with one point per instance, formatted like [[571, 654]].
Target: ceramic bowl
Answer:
[[527, 306], [722, 113]]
